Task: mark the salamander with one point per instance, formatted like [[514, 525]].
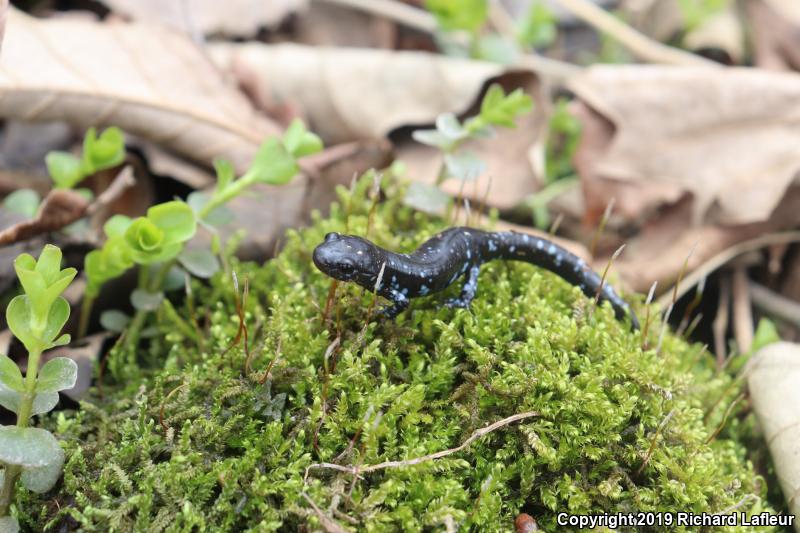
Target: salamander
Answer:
[[444, 258]]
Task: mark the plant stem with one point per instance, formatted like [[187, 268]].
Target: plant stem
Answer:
[[86, 313], [154, 284], [12, 472]]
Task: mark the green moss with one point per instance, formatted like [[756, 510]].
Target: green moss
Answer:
[[235, 452]]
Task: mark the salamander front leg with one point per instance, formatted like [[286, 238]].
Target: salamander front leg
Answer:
[[399, 304], [467, 291]]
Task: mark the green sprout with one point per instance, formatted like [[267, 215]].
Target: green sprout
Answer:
[[497, 109], [36, 318], [99, 153]]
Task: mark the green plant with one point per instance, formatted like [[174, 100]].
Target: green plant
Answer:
[[157, 242], [497, 109], [537, 29], [697, 12], [36, 319]]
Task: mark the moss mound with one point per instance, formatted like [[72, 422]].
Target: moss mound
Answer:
[[617, 429]]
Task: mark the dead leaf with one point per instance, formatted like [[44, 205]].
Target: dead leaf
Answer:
[[660, 249], [722, 31], [148, 81], [660, 19], [776, 37], [232, 17], [165, 163], [350, 94], [729, 137], [62, 207], [332, 25], [773, 378]]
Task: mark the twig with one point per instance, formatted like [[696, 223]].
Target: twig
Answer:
[[642, 46], [329, 524], [605, 273], [774, 304], [742, 311], [123, 180], [725, 418], [726, 255], [652, 448], [556, 224], [430, 457], [425, 22], [720, 324]]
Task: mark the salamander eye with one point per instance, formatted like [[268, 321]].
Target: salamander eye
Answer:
[[332, 236]]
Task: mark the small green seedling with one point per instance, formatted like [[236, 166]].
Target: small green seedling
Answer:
[[497, 109], [99, 153], [36, 318], [157, 242]]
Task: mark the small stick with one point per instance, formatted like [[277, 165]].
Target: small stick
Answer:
[[692, 326], [773, 303], [556, 224], [725, 418], [605, 273], [647, 304], [601, 227], [652, 448], [720, 324], [329, 301], [272, 363], [164, 403], [742, 310], [430, 457], [698, 297]]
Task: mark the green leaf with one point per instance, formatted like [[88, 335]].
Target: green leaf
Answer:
[[114, 320], [65, 169], [8, 524], [218, 217], [199, 261], [43, 402], [497, 49], [29, 447], [467, 15], [59, 373], [19, 318], [23, 201], [433, 138], [10, 375], [146, 301], [426, 198], [464, 165], [501, 110], [105, 151], [225, 172], [111, 261], [272, 165], [538, 28], [299, 141], [43, 281], [41, 479], [117, 225], [175, 219], [766, 333]]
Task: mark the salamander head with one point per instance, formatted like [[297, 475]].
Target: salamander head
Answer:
[[349, 258]]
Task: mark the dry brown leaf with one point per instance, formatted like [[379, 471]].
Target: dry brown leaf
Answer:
[[660, 19], [722, 31], [729, 137], [773, 378], [232, 17], [148, 81], [776, 37], [59, 208], [332, 25], [658, 252], [351, 94]]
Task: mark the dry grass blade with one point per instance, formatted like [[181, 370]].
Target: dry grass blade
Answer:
[[146, 80]]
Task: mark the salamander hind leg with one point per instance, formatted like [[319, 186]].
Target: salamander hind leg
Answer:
[[399, 304], [467, 291]]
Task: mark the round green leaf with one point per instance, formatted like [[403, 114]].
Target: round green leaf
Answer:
[[146, 301], [114, 320], [10, 374], [199, 261], [31, 447], [18, 316], [272, 165], [43, 402], [23, 201], [116, 225], [65, 169], [58, 316], [41, 479], [8, 524], [57, 374], [176, 219]]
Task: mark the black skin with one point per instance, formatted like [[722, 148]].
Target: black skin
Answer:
[[451, 254]]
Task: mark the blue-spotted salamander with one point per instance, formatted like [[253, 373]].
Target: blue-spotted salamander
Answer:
[[444, 258]]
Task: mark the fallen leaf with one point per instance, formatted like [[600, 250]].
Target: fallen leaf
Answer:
[[722, 31], [659, 19], [775, 35], [352, 94], [232, 17], [149, 81], [728, 137], [658, 252], [773, 379], [332, 25]]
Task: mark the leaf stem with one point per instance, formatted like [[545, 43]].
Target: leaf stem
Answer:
[[12, 472], [86, 313], [151, 285]]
